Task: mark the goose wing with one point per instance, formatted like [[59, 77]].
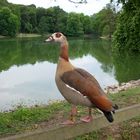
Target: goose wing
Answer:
[[88, 86]]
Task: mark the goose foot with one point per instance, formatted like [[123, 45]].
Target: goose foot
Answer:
[[86, 119], [71, 120]]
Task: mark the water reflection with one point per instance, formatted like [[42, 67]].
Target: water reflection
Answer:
[[127, 67], [27, 68], [28, 83]]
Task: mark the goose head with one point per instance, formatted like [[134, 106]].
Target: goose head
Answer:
[[57, 37]]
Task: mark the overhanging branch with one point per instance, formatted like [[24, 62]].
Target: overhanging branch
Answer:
[[78, 2]]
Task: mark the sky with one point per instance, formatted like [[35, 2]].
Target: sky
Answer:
[[93, 6]]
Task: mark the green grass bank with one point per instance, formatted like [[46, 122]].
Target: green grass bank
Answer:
[[28, 119]]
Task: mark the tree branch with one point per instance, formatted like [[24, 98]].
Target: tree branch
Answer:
[[78, 2]]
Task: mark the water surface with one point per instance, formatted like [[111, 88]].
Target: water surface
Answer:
[[27, 68]]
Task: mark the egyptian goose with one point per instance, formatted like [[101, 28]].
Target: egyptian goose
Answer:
[[78, 86]]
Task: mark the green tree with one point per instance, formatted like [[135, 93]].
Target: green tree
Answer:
[[86, 23], [74, 25], [56, 22], [32, 15], [40, 12], [104, 20], [127, 34], [3, 3], [24, 19], [51, 19], [9, 23], [60, 21], [28, 19], [28, 27], [43, 26], [106, 30]]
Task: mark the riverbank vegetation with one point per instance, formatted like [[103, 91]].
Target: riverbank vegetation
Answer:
[[27, 119], [123, 25], [29, 19]]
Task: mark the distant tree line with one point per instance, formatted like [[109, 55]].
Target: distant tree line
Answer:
[[29, 19]]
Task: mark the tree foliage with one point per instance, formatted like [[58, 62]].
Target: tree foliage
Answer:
[[9, 23], [43, 26], [127, 34], [78, 1], [104, 22], [3, 3], [30, 19], [74, 25]]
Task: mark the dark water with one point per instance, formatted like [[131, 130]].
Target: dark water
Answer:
[[27, 68]]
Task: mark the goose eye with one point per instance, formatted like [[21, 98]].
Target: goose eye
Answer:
[[58, 35]]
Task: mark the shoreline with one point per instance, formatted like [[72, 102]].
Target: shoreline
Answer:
[[25, 119], [122, 87], [24, 35], [1, 36]]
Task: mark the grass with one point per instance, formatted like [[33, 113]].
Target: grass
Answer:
[[128, 130], [126, 98], [27, 119]]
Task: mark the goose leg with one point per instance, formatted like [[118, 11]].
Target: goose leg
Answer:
[[71, 120], [87, 118]]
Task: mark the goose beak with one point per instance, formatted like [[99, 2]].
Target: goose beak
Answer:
[[49, 39]]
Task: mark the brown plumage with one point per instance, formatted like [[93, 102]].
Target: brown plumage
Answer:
[[77, 85], [87, 85]]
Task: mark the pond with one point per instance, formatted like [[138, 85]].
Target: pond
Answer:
[[28, 65]]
